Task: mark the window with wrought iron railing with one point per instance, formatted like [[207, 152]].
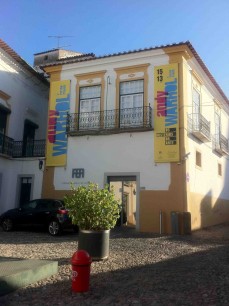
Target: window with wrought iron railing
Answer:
[[131, 102], [132, 118], [89, 107]]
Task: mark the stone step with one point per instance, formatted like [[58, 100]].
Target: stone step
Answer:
[[16, 273]]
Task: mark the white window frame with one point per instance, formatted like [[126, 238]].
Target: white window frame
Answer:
[[196, 108], [217, 128], [89, 107], [131, 104]]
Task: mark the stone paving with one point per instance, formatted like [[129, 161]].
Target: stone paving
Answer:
[[143, 269]]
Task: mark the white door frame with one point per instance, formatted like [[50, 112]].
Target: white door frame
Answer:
[[137, 175]]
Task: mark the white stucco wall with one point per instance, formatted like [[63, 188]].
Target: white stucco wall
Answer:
[[28, 100], [205, 180], [127, 152], [117, 153], [11, 171]]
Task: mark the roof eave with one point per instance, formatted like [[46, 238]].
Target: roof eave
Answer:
[[21, 61], [190, 49]]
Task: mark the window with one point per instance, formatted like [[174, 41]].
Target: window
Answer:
[[29, 205], [89, 107], [0, 183], [198, 159], [217, 129], [3, 120], [131, 103], [196, 108], [28, 138], [4, 111], [219, 169]]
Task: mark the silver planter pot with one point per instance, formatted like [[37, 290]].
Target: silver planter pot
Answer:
[[96, 243]]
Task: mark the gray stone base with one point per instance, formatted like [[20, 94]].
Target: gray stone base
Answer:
[[16, 273]]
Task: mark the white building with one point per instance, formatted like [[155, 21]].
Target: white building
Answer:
[[23, 123], [153, 123]]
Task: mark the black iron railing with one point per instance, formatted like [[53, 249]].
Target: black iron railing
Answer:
[[220, 144], [115, 120], [34, 148], [198, 124], [6, 145], [12, 148], [224, 144]]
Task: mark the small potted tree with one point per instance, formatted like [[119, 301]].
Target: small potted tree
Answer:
[[95, 211]]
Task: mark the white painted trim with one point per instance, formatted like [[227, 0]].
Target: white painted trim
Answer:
[[137, 174]]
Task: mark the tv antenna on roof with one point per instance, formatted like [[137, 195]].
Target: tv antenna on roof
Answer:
[[58, 37]]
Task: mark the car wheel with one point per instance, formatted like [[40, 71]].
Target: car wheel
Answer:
[[54, 228], [7, 224]]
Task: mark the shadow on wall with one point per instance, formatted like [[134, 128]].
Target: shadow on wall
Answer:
[[210, 209], [216, 211], [212, 213]]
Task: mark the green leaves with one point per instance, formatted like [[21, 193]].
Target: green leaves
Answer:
[[92, 208]]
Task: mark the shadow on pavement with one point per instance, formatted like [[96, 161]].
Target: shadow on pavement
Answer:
[[200, 278]]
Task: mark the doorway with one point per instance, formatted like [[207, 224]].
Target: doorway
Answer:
[[28, 138], [125, 191], [25, 190]]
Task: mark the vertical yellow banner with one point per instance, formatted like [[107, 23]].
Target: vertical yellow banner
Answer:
[[56, 152], [166, 114]]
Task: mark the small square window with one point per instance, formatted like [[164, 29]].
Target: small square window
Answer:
[[198, 159], [219, 169]]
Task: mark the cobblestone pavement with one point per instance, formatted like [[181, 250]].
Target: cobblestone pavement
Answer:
[[143, 269]]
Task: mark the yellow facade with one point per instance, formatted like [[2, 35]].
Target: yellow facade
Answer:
[[56, 147], [166, 114]]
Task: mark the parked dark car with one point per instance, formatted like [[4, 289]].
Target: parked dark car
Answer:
[[47, 212]]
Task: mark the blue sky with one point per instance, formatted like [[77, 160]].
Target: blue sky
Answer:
[[109, 26]]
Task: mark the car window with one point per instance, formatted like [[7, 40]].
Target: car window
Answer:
[[57, 204], [29, 205], [49, 205], [42, 205]]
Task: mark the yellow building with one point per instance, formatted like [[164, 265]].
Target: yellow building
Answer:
[[153, 123]]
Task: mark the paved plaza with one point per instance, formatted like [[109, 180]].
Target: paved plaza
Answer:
[[143, 269]]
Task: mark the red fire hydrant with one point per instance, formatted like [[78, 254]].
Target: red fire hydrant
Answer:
[[81, 264]]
